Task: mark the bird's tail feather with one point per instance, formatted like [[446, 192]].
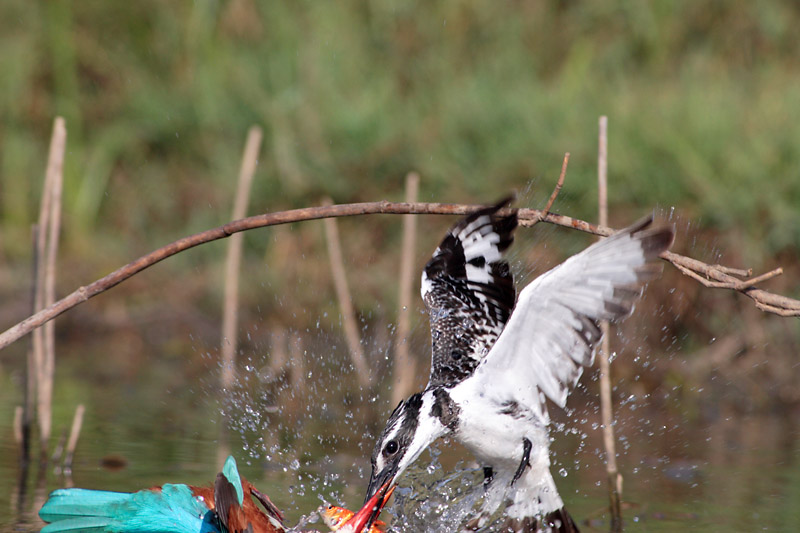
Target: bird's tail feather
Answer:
[[558, 521], [94, 511], [530, 505], [82, 510]]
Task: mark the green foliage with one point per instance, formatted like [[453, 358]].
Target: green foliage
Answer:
[[480, 98]]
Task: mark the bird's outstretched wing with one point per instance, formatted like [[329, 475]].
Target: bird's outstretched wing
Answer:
[[469, 291], [228, 495], [554, 327]]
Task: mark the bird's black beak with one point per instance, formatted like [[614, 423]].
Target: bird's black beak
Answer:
[[380, 481], [366, 516]]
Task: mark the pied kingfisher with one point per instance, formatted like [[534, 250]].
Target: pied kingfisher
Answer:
[[494, 362]]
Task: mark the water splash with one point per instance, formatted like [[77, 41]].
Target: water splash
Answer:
[[433, 501]]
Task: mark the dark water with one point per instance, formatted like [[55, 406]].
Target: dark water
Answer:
[[683, 471]]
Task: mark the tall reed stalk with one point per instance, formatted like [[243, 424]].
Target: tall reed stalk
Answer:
[[405, 366], [230, 313], [606, 407]]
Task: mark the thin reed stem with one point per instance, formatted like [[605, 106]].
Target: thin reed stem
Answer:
[[230, 307], [343, 294], [606, 407], [405, 366], [47, 247], [74, 435], [234, 258]]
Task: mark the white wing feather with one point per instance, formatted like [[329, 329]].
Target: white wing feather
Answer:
[[553, 329]]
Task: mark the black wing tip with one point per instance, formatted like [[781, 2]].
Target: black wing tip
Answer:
[[505, 201], [655, 240], [270, 507], [224, 498], [659, 240], [449, 258], [641, 224], [502, 224], [506, 223]]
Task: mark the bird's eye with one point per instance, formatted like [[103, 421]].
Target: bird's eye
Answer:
[[391, 447]]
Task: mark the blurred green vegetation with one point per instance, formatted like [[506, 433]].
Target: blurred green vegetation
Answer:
[[703, 100]]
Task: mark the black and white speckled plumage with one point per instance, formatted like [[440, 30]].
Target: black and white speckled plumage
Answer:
[[492, 368], [469, 292]]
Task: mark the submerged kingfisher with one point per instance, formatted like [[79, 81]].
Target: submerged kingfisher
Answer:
[[495, 359], [227, 507]]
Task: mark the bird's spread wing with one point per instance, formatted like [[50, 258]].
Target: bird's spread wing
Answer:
[[469, 292], [229, 495], [554, 327], [264, 500], [225, 501]]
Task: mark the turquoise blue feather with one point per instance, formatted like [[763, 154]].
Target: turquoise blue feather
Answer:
[[173, 509], [231, 473]]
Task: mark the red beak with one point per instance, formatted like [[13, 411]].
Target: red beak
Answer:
[[366, 516]]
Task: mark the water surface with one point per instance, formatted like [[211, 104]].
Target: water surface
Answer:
[[683, 471]]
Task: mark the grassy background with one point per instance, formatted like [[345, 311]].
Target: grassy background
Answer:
[[703, 101]]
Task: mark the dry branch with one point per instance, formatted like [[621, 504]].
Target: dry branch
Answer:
[[715, 276], [559, 184], [766, 301]]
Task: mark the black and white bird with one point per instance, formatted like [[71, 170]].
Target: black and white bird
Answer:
[[494, 360]]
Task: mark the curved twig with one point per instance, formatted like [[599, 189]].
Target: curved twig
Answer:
[[559, 184], [772, 303], [716, 276]]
